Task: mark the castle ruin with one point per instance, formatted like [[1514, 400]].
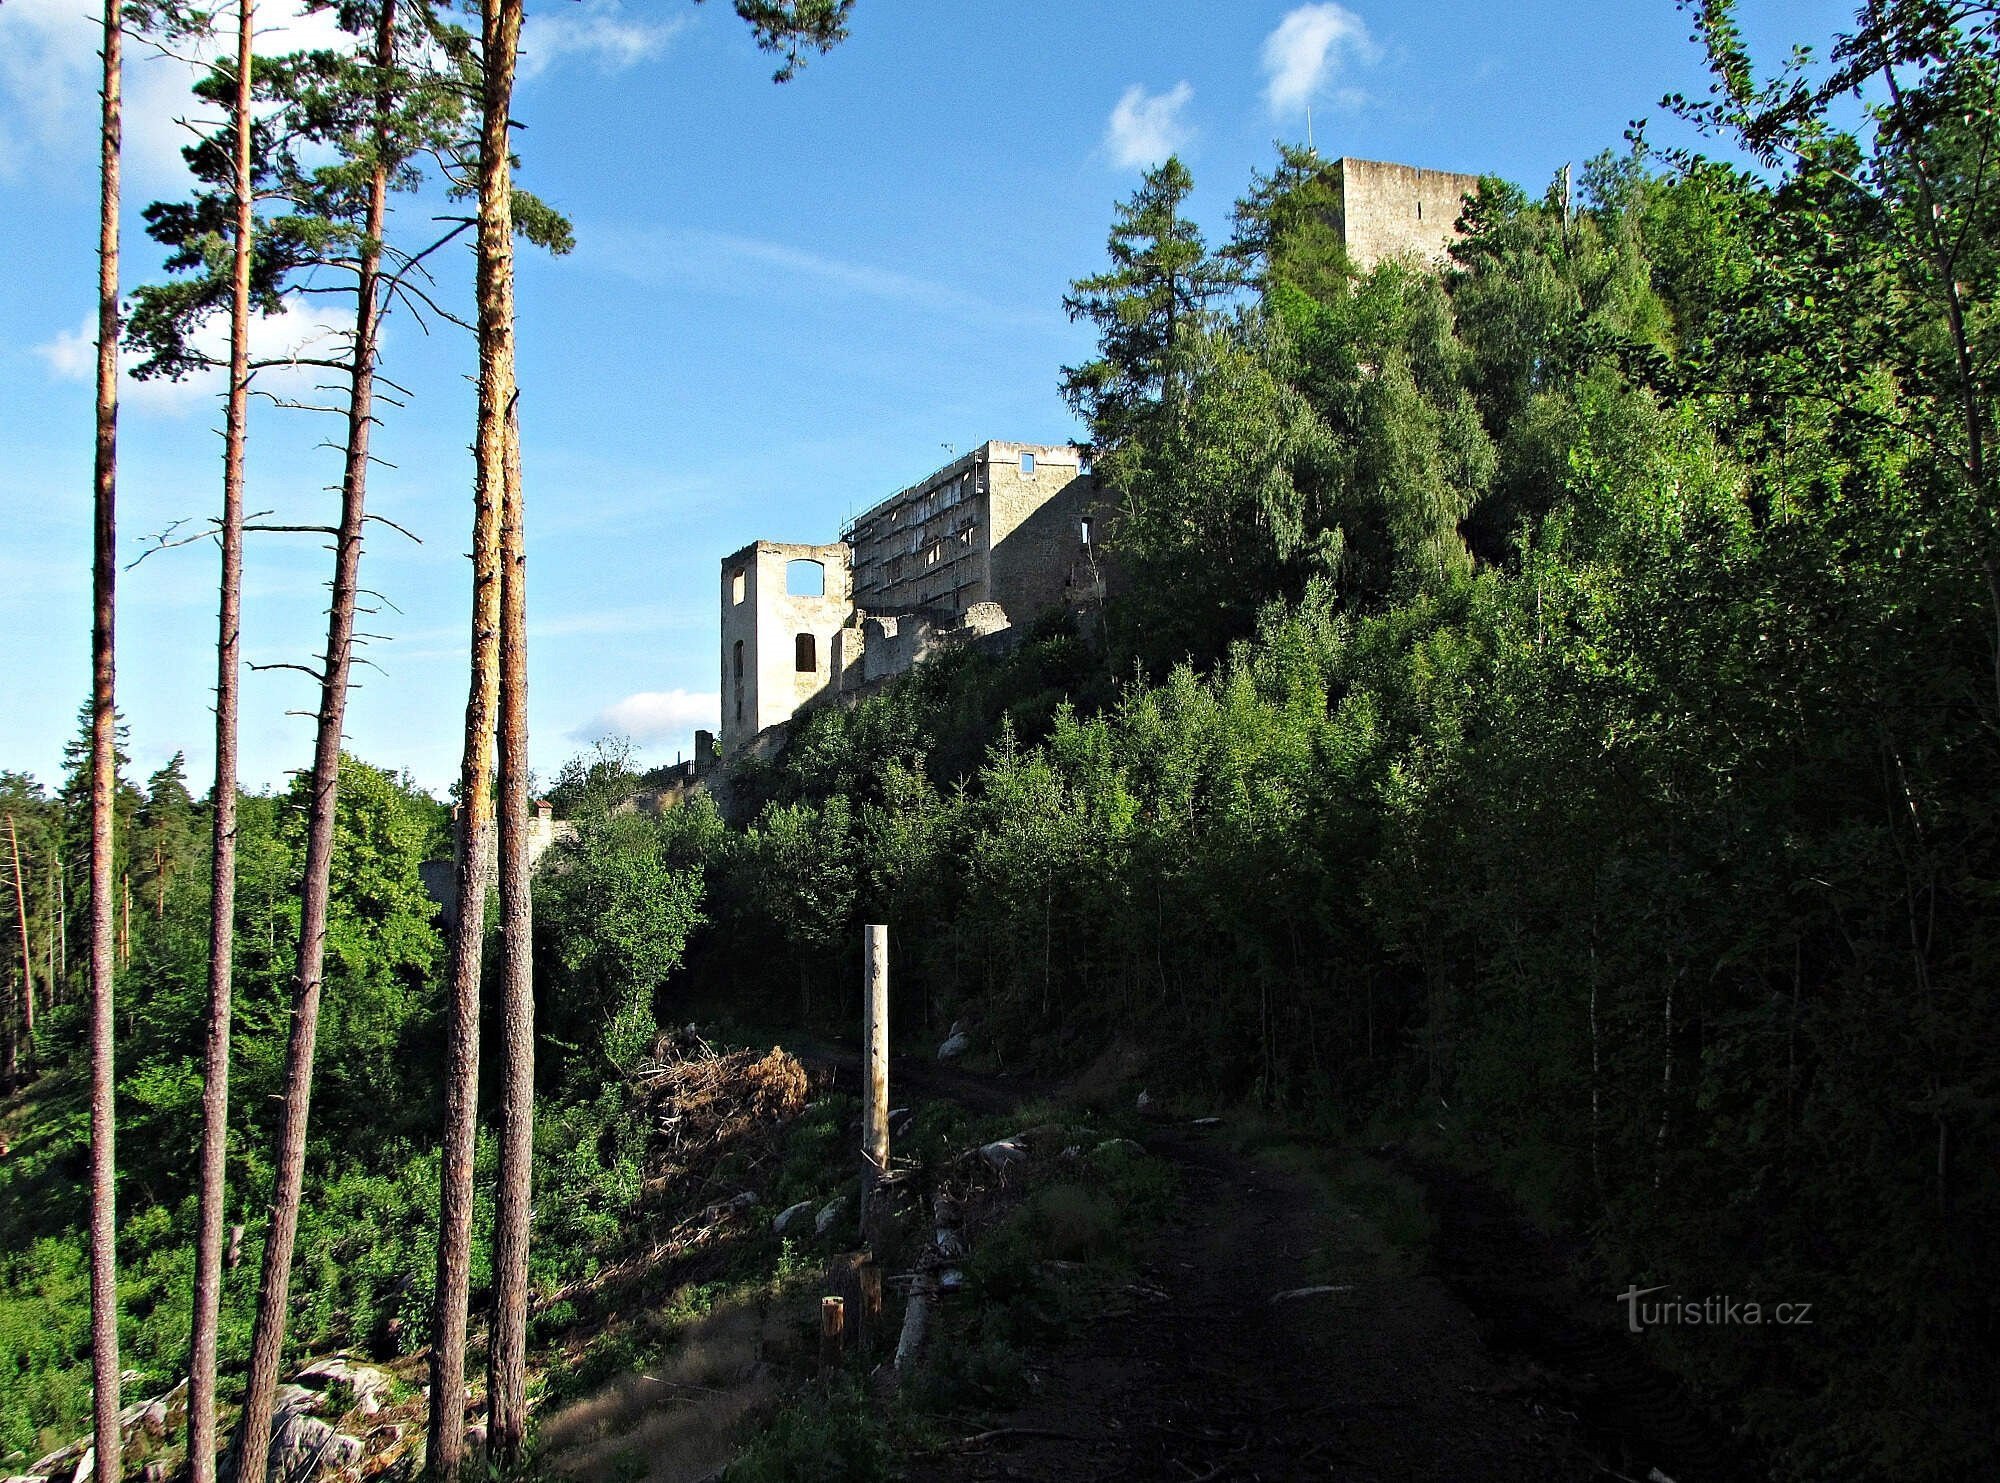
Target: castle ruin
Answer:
[[991, 540], [1398, 210]]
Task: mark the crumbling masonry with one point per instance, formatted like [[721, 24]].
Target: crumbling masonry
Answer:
[[989, 541]]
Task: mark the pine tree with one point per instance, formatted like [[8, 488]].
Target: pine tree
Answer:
[[380, 110], [1162, 278], [498, 687]]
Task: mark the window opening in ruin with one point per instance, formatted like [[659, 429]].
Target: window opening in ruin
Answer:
[[1027, 463], [1420, 211], [739, 668], [736, 587], [805, 654], [739, 710], [1086, 529], [805, 579]]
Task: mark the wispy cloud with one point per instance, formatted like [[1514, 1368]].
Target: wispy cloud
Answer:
[[597, 33], [1145, 128], [654, 718], [727, 263], [1312, 46], [298, 329], [48, 88]]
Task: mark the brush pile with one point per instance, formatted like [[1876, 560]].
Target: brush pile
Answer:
[[717, 1118]]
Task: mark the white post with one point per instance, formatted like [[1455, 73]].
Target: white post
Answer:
[[874, 1067]]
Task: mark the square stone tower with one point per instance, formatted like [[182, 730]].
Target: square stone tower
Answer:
[[782, 604], [1398, 210]]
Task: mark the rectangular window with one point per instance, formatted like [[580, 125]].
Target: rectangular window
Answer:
[[1027, 463], [805, 654], [736, 587]]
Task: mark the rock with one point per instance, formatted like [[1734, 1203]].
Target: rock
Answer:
[[956, 1044], [148, 1418], [829, 1213], [1206, 1122], [1124, 1146], [368, 1386], [789, 1217], [1310, 1292], [303, 1446], [950, 1280], [1005, 1152], [47, 1467], [86, 1466], [1145, 1102], [731, 1205]]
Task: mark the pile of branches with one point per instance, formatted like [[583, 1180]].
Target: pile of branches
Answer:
[[717, 1116]]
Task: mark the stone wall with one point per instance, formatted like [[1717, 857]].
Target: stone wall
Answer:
[[1037, 500], [992, 539], [440, 877], [1398, 210]]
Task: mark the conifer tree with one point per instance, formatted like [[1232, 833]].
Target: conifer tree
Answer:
[[1162, 279], [381, 109], [498, 691]]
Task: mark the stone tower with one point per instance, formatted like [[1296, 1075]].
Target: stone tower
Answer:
[[782, 604]]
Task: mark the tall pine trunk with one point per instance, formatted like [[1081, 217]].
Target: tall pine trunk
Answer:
[[104, 778], [506, 1379], [222, 894], [27, 947], [475, 806], [267, 1340]]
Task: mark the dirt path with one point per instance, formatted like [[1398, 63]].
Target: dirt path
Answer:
[[1204, 1376]]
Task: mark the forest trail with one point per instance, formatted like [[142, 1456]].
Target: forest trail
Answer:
[[1214, 1365]]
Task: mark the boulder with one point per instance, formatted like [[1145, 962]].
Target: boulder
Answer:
[[829, 1213], [956, 1044], [367, 1385], [303, 1446], [789, 1217], [1004, 1153]]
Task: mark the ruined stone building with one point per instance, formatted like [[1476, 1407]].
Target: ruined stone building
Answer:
[[975, 551], [1398, 210], [990, 541]]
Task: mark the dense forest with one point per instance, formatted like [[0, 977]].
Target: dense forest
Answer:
[[1548, 716]]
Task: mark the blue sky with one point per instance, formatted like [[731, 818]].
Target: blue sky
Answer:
[[785, 303]]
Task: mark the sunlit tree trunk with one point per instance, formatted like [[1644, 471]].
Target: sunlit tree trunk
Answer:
[[222, 894], [268, 1337], [475, 807], [506, 1380], [104, 778]]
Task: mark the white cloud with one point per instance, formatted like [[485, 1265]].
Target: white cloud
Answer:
[[1310, 47], [655, 718], [598, 32], [299, 329], [49, 76], [1147, 127]]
